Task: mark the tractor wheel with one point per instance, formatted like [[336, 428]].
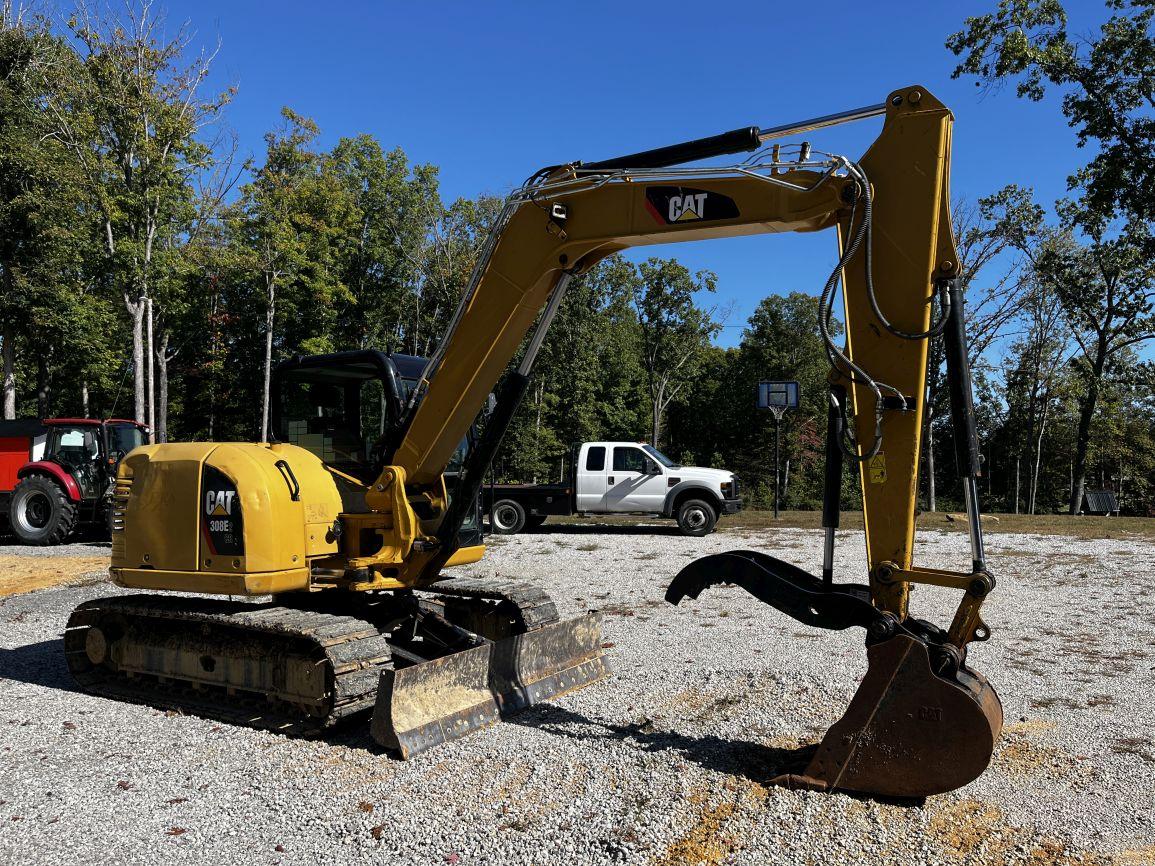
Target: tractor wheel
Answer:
[[507, 517], [41, 512], [696, 517]]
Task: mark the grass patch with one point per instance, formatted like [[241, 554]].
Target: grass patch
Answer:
[[27, 573]]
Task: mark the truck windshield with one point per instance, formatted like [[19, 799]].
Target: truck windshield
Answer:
[[659, 456]]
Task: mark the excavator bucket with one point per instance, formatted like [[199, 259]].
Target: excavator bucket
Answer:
[[908, 732], [918, 724], [436, 701]]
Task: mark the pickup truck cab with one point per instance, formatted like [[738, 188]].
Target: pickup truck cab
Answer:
[[619, 478]]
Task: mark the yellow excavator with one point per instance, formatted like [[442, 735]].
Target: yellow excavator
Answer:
[[351, 517]]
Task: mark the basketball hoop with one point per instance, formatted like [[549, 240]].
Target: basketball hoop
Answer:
[[777, 397]]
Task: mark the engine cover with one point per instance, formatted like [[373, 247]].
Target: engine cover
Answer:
[[232, 518]]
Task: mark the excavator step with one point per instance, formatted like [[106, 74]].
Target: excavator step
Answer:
[[921, 721]]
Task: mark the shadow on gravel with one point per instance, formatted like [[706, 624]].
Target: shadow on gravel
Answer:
[[756, 762], [40, 664]]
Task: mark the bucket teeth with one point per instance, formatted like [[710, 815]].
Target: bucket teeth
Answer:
[[434, 702]]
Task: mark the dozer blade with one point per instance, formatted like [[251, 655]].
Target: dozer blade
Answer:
[[433, 702], [547, 662], [430, 703], [909, 731]]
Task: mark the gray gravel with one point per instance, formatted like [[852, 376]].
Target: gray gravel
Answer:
[[662, 764]]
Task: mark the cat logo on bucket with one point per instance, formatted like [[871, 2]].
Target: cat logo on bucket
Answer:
[[678, 204]]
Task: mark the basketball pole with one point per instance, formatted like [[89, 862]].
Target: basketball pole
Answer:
[[778, 412], [777, 471]]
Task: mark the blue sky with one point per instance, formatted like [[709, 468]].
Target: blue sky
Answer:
[[492, 91]]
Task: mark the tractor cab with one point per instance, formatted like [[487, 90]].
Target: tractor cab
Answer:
[[91, 450]]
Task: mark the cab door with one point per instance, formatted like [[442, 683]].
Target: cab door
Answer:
[[590, 478], [635, 481]]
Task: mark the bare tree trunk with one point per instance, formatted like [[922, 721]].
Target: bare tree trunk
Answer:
[[270, 317], [162, 387], [1038, 460], [1083, 439], [84, 396], [136, 311], [151, 349], [538, 396], [1017, 462], [929, 445], [8, 349], [656, 427]]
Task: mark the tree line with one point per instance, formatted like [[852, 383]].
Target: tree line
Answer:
[[148, 269]]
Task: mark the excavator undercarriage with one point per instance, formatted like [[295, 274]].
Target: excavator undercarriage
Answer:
[[435, 665]]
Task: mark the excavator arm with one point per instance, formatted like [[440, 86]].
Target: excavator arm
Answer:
[[570, 217]]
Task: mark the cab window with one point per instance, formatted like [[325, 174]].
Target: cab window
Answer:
[[74, 444], [596, 458], [124, 437], [629, 460]]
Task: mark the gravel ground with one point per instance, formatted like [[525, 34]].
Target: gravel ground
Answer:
[[662, 764]]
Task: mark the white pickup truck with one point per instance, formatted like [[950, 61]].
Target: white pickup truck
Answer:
[[618, 478]]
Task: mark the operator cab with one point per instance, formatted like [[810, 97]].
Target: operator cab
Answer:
[[347, 409], [343, 407]]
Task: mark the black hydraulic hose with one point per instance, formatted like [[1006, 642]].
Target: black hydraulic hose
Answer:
[[958, 375], [832, 481]]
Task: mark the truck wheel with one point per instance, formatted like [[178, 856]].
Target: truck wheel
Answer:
[[507, 517], [696, 517], [41, 512]]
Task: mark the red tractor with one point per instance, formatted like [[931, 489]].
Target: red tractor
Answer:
[[57, 474]]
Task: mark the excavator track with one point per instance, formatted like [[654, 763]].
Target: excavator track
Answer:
[[307, 671], [486, 601]]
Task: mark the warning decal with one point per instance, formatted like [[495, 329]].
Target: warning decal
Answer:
[[877, 467]]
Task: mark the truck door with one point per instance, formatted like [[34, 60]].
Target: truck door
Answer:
[[635, 482], [590, 479]]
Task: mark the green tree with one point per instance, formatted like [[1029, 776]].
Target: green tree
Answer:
[[1106, 85], [132, 117], [299, 224], [1097, 268], [675, 331]]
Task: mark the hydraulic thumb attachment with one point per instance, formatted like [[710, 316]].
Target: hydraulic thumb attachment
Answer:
[[921, 722]]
